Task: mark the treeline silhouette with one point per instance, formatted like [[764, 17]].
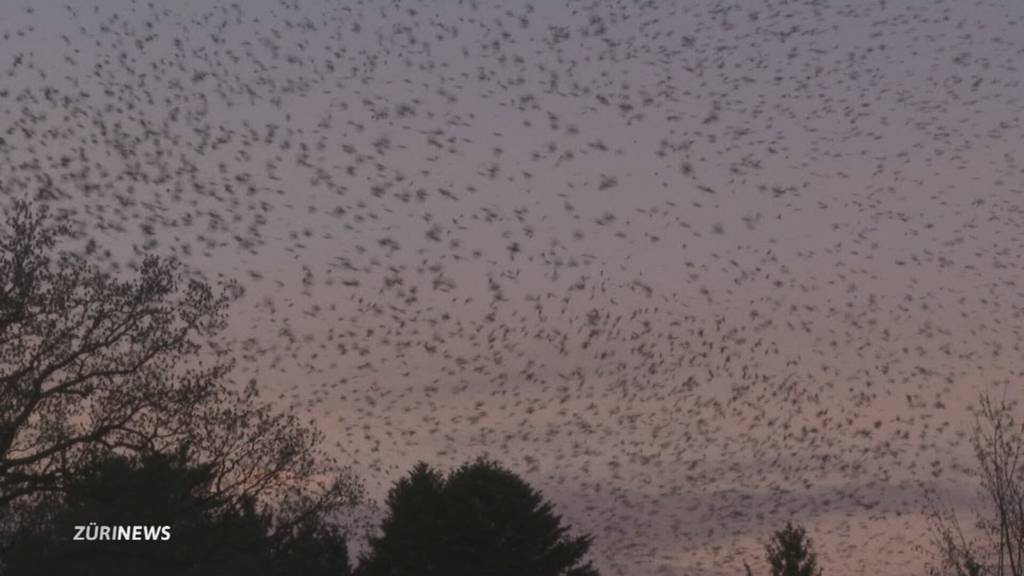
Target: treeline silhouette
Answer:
[[481, 519], [117, 422], [116, 413]]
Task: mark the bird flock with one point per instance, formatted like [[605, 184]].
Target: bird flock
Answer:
[[691, 268]]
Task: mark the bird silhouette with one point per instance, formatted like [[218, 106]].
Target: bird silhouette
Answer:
[[690, 269]]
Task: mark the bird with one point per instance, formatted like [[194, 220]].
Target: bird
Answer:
[[691, 270]]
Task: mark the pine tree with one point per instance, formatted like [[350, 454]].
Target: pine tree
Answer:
[[481, 520], [789, 553]]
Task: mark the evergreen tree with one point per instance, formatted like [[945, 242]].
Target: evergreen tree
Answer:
[[481, 520], [412, 541], [789, 553], [209, 532]]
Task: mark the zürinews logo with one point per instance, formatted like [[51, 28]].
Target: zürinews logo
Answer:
[[93, 533]]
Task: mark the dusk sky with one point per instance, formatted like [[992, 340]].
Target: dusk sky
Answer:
[[691, 268]]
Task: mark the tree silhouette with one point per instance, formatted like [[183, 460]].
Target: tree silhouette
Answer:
[[93, 366], [789, 553], [209, 533], [998, 550], [88, 361], [413, 537], [481, 520]]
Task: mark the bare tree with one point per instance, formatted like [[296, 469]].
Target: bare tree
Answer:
[[957, 556], [998, 441], [91, 364]]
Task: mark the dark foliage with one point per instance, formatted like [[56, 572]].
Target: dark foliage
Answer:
[[210, 534], [789, 553], [481, 520]]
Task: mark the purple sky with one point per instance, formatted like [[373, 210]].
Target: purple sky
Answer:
[[693, 269]]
